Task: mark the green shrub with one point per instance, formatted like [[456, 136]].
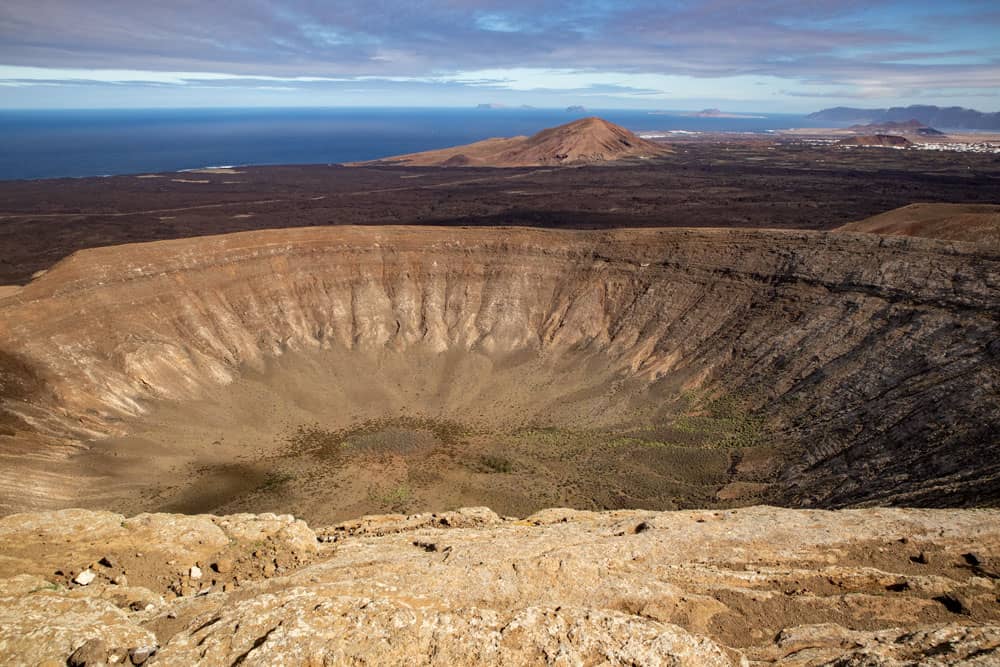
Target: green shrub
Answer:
[[494, 463]]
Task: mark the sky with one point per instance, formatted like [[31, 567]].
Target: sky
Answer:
[[769, 55]]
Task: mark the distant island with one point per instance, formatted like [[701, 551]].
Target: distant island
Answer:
[[958, 118], [576, 108], [493, 106], [716, 113], [705, 113]]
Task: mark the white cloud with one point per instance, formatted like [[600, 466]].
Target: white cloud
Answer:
[[44, 74]]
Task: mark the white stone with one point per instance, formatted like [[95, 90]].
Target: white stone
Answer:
[[85, 577], [195, 572]]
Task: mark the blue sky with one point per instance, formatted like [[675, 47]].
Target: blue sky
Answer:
[[770, 55]]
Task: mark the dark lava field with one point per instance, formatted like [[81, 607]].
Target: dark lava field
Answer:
[[748, 183]]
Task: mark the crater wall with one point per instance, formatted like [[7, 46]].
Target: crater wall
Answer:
[[874, 362]]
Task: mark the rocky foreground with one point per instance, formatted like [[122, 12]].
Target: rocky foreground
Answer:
[[759, 585]]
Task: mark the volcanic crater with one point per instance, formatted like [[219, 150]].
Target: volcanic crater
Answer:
[[334, 372]]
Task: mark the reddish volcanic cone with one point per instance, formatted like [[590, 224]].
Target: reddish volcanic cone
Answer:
[[583, 141]]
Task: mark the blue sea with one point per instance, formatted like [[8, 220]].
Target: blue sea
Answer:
[[75, 143]]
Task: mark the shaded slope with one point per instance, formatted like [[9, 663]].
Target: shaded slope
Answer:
[[579, 142], [862, 369], [976, 223]]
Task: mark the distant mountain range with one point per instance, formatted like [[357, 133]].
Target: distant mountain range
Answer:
[[910, 127], [954, 118]]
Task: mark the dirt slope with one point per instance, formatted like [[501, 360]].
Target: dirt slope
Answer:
[[582, 141], [336, 371], [976, 223]]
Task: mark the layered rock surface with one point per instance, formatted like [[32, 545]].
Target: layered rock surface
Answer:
[[751, 586], [869, 363]]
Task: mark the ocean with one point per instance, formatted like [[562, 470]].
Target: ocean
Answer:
[[77, 143]]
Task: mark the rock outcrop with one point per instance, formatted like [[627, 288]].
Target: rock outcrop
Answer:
[[751, 586], [589, 140], [865, 368]]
